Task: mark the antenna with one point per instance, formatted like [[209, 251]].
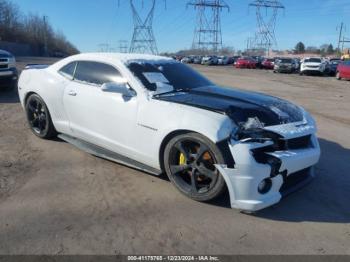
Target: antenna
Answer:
[[265, 37], [207, 34]]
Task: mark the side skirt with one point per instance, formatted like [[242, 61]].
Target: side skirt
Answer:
[[109, 155]]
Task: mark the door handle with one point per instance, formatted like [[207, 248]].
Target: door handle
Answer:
[[72, 93]]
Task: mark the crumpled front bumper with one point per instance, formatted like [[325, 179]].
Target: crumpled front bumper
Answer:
[[243, 180]]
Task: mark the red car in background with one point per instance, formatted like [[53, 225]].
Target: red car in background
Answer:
[[343, 70], [246, 62], [268, 63]]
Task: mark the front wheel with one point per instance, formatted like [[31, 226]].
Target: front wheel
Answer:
[[189, 161], [39, 118]]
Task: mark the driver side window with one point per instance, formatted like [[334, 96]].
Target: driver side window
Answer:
[[96, 73]]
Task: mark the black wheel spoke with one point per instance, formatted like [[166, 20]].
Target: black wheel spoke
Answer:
[[40, 125], [206, 171], [194, 185], [35, 122], [176, 169], [31, 108], [179, 146], [201, 151]]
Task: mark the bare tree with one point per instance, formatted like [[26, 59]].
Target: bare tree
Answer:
[[33, 30]]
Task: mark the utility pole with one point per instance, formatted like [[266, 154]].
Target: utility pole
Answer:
[[143, 40], [45, 35], [340, 34], [265, 37], [207, 34]]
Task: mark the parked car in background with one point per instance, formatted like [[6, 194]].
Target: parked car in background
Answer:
[[332, 66], [296, 64], [197, 60], [246, 62], [187, 60], [258, 61], [223, 60], [312, 65], [8, 71], [210, 60], [343, 70], [268, 63], [284, 65]]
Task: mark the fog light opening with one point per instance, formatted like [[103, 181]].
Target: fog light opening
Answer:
[[265, 186]]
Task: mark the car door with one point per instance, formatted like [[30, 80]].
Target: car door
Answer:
[[102, 118], [346, 69]]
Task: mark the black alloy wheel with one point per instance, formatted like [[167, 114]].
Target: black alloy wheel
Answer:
[[190, 161], [39, 118]]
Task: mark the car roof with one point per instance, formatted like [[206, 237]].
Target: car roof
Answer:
[[121, 56], [116, 58]]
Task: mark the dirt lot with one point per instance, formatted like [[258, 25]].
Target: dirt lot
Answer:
[[55, 199]]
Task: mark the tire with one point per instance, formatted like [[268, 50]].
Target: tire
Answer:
[[189, 161], [337, 76], [38, 117]]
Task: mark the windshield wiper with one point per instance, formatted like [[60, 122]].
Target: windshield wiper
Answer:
[[179, 90]]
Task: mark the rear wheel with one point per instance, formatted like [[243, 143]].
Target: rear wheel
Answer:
[[189, 162], [39, 118]]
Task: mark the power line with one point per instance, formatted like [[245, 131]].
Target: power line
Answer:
[[208, 34]]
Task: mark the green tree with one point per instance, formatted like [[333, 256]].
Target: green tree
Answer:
[[330, 49], [300, 48]]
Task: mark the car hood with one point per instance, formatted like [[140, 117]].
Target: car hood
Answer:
[[240, 106], [285, 64], [312, 64]]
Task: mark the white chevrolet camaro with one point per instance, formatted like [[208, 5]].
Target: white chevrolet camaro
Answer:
[[161, 116]]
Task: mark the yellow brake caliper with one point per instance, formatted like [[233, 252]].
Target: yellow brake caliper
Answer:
[[182, 160]]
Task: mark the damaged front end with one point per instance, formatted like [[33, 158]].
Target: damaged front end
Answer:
[[270, 162]]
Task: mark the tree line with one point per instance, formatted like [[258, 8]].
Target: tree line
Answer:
[[325, 49], [33, 30]]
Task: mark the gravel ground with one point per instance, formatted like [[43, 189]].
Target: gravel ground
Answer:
[[55, 199]]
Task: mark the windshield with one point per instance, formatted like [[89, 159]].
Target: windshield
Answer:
[[286, 60], [177, 75], [335, 61], [313, 60]]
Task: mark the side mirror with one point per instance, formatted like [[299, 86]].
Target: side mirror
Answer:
[[118, 88]]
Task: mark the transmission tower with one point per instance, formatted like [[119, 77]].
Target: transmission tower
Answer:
[[143, 40], [265, 37], [123, 46], [207, 34]]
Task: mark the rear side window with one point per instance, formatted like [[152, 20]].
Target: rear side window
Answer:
[[96, 73], [68, 70]]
